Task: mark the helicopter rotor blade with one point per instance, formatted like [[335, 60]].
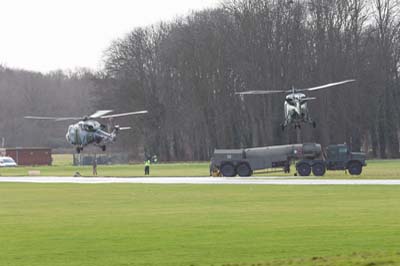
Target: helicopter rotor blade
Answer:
[[100, 113], [327, 85], [41, 117], [68, 118], [124, 114], [56, 119], [257, 92]]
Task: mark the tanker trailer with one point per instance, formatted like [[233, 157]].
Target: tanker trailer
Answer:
[[244, 162]]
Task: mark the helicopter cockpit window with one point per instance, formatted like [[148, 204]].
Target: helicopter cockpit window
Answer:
[[88, 127], [96, 124], [289, 100], [91, 126]]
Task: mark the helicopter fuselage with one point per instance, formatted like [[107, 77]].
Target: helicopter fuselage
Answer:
[[296, 110], [295, 105], [88, 132]]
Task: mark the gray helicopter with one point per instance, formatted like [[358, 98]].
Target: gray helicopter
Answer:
[[89, 131], [295, 105]]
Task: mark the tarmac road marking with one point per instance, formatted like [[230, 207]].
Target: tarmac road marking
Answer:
[[200, 180]]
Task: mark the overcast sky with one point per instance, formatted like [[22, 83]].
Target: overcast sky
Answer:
[[45, 35]]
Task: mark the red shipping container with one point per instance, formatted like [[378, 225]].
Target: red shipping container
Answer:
[[29, 156]]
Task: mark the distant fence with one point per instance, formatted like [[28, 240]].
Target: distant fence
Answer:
[[101, 159]]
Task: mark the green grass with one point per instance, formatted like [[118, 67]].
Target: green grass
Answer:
[[62, 166], [176, 169], [71, 224], [62, 159]]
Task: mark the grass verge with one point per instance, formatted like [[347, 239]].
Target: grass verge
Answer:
[[115, 224], [62, 166]]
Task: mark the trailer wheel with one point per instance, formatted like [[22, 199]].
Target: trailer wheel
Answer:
[[304, 169], [318, 169], [243, 169], [228, 170], [355, 168]]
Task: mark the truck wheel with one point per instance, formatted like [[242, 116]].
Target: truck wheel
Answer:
[[355, 168], [228, 170], [243, 169], [318, 169], [304, 169]]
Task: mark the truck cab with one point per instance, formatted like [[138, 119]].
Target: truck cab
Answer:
[[339, 157]]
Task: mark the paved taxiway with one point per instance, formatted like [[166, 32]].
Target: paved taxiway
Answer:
[[201, 180]]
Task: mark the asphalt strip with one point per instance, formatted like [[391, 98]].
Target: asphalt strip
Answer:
[[200, 180]]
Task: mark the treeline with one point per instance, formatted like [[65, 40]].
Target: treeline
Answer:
[[31, 93], [186, 73]]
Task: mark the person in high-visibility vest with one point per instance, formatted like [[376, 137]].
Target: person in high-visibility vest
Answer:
[[147, 167]]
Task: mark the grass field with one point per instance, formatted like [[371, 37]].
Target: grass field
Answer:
[[62, 166], [54, 224]]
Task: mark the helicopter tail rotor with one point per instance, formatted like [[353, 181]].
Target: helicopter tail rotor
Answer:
[[119, 128], [125, 128], [308, 99]]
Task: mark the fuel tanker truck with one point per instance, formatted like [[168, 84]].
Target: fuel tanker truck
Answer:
[[308, 157]]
